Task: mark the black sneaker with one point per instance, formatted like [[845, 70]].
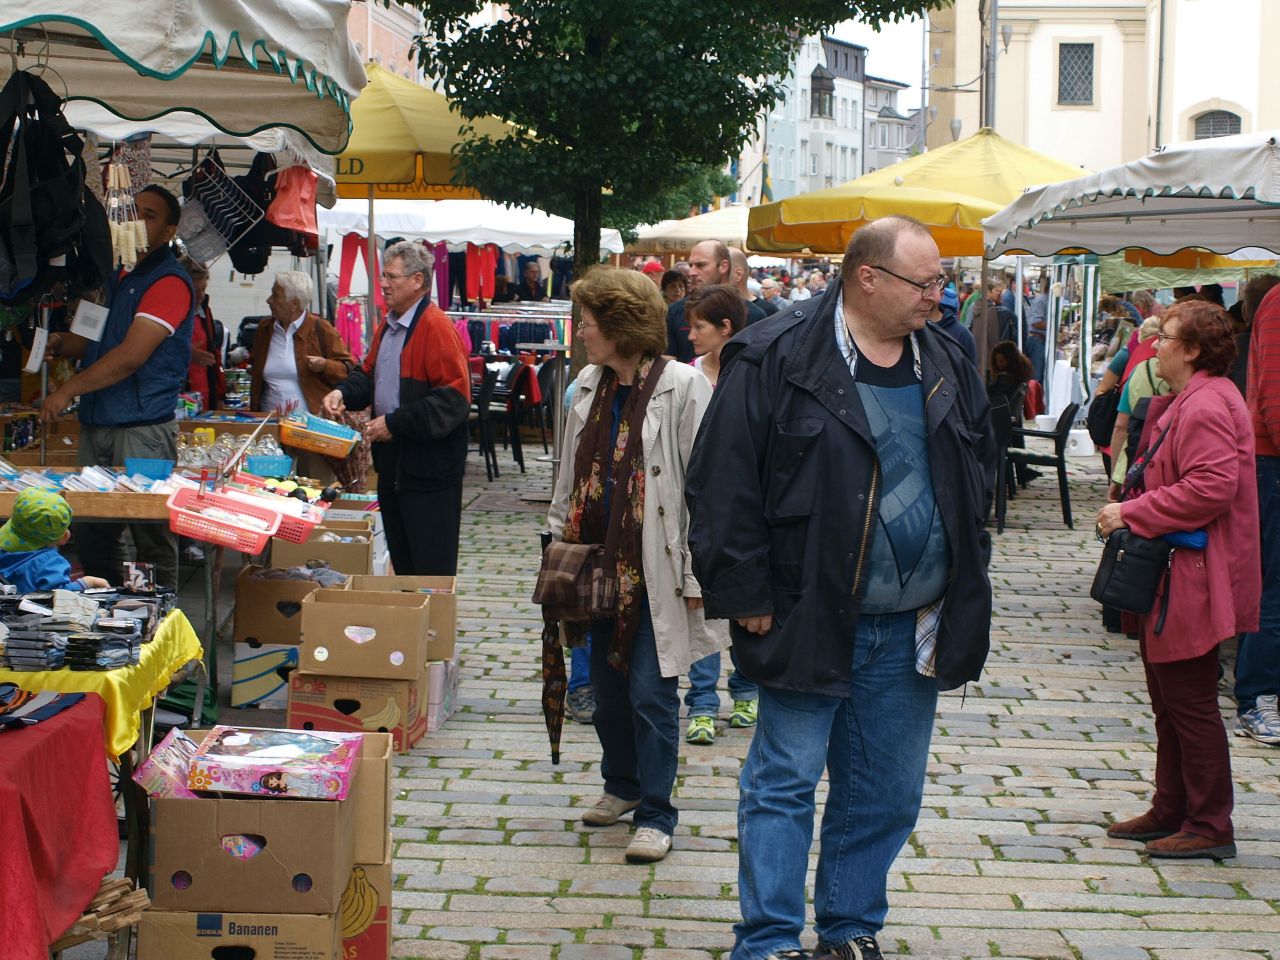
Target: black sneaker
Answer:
[[859, 948], [582, 704], [788, 955]]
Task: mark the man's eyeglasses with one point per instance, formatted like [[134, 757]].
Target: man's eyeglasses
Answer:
[[394, 276], [929, 286]]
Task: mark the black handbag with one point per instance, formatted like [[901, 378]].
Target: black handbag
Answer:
[[1133, 567]]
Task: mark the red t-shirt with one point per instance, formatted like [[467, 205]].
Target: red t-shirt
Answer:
[[167, 302]]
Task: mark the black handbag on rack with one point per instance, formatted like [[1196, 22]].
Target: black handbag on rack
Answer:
[[1133, 567]]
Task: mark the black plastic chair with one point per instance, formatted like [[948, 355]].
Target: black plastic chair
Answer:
[[1002, 429], [480, 417], [546, 386], [1059, 435]]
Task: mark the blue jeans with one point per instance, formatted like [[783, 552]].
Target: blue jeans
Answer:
[[704, 676], [580, 666], [875, 745], [637, 721], [1258, 661]]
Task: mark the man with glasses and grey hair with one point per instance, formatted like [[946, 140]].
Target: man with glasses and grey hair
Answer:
[[416, 379], [837, 492]]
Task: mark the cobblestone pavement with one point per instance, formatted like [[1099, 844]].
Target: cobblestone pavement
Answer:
[[1009, 858]]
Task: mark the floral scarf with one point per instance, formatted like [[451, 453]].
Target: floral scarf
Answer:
[[596, 463]]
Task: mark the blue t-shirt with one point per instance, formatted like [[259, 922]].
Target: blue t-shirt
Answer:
[[909, 559]]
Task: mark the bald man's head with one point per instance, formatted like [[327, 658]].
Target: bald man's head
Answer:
[[738, 271], [709, 262]]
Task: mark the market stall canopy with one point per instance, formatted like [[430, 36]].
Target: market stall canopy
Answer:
[[459, 222], [1221, 195], [243, 67], [728, 225], [950, 190], [403, 140]]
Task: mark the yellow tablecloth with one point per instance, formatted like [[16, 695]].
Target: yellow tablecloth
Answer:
[[129, 690]]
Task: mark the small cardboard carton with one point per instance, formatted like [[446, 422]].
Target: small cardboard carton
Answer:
[[348, 558], [250, 855], [444, 605], [269, 611], [371, 794], [395, 707], [260, 674], [166, 935], [444, 678], [358, 634], [365, 920]]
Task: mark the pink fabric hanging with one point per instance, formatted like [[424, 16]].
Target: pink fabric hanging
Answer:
[[350, 327], [353, 246], [441, 252], [464, 334]]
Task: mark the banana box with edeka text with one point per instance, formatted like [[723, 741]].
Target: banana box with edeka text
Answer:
[[364, 919], [174, 935], [359, 704], [260, 674], [352, 633]]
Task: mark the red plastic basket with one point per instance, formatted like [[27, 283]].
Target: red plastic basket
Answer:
[[184, 520], [294, 529]]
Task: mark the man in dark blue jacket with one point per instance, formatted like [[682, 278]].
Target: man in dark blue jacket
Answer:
[[838, 492]]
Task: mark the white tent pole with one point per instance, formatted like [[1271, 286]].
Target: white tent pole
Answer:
[[371, 320], [1017, 302]]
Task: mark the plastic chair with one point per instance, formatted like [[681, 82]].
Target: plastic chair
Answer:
[[480, 417], [1059, 435]]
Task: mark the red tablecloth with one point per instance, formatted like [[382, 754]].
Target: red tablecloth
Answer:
[[57, 827]]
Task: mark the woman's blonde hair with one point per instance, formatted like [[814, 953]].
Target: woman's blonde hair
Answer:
[[627, 307]]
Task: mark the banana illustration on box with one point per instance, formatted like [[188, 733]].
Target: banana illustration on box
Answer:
[[359, 904], [388, 718]]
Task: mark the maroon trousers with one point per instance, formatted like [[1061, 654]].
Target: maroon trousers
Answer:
[[1193, 762]]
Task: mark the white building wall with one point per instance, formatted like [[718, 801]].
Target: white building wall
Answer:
[[1216, 37]]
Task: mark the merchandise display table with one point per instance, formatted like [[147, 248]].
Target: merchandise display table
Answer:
[[115, 506], [58, 825], [129, 691]]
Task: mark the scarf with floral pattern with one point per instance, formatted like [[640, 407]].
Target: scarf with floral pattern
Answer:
[[597, 463]]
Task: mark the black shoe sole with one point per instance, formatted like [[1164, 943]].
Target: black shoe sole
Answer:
[[1224, 852]]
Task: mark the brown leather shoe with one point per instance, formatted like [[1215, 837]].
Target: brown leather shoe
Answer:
[[1145, 827], [1188, 846]]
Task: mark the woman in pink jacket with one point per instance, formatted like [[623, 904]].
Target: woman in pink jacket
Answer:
[[1201, 478]]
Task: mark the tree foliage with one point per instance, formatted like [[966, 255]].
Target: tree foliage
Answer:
[[620, 111]]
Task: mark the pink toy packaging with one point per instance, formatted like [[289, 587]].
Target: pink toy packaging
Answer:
[[275, 763], [164, 773]]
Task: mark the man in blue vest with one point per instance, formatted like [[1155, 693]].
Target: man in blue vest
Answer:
[[128, 384]]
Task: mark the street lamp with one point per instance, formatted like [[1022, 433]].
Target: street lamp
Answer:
[[956, 124]]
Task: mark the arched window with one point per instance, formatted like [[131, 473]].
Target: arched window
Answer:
[[1217, 123]]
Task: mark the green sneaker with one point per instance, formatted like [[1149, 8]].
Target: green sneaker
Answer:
[[744, 713], [702, 730]]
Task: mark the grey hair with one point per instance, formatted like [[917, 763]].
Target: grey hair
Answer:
[[296, 286], [415, 257]]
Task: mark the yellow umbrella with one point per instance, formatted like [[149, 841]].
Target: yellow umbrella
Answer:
[[950, 190], [402, 141], [402, 146]]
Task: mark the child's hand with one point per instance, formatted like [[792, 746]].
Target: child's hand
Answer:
[[95, 583]]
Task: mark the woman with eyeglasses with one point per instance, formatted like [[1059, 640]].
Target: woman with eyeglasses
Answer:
[[1198, 447]]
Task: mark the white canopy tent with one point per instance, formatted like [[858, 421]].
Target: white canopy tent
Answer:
[[459, 222], [728, 224], [241, 67], [1220, 195]]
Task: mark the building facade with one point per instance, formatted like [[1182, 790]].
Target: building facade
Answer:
[[889, 132], [384, 35], [1103, 82]]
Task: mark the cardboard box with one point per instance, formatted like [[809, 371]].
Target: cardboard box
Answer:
[[348, 558], [365, 919], [371, 794], [269, 611], [357, 634], [444, 605], [260, 674], [307, 851], [165, 935], [444, 678], [396, 707]]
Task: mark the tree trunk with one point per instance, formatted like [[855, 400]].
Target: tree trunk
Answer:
[[587, 213]]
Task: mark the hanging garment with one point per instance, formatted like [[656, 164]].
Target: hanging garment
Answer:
[[458, 277], [473, 272], [464, 334], [350, 327], [294, 205], [353, 246], [443, 295]]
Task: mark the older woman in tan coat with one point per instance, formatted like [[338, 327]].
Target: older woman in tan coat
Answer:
[[632, 494]]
